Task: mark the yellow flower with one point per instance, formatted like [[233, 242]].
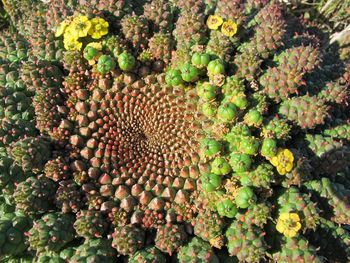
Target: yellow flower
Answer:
[[288, 224], [72, 43], [80, 26], [99, 27], [61, 28], [69, 32], [214, 22], [96, 45], [91, 62], [229, 28], [283, 161]]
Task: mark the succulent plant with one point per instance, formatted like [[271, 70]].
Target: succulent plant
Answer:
[[31, 153], [148, 254], [189, 130], [52, 232], [90, 224], [11, 174], [94, 250], [246, 242], [197, 251], [12, 230], [35, 196], [170, 238], [128, 239]]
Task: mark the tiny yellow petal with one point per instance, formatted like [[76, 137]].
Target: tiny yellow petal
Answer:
[[96, 35], [289, 167], [289, 155], [281, 170], [104, 31], [290, 233], [72, 44], [280, 227], [80, 19], [99, 20], [274, 161], [294, 216], [61, 28], [70, 32], [297, 226], [96, 45], [283, 216]]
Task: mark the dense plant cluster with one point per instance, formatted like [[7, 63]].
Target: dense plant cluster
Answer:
[[157, 130]]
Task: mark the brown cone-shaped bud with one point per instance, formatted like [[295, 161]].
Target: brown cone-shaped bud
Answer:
[[81, 107], [107, 190], [86, 153], [157, 189], [107, 206], [136, 190], [190, 184], [156, 204], [128, 203], [66, 125], [85, 132], [136, 218], [78, 166], [194, 171], [76, 140], [95, 162], [82, 94], [94, 173], [169, 193], [178, 183], [121, 192], [182, 197], [145, 197], [105, 179]]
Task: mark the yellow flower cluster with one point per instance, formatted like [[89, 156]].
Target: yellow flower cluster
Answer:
[[79, 27], [283, 161], [228, 28], [288, 224]]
